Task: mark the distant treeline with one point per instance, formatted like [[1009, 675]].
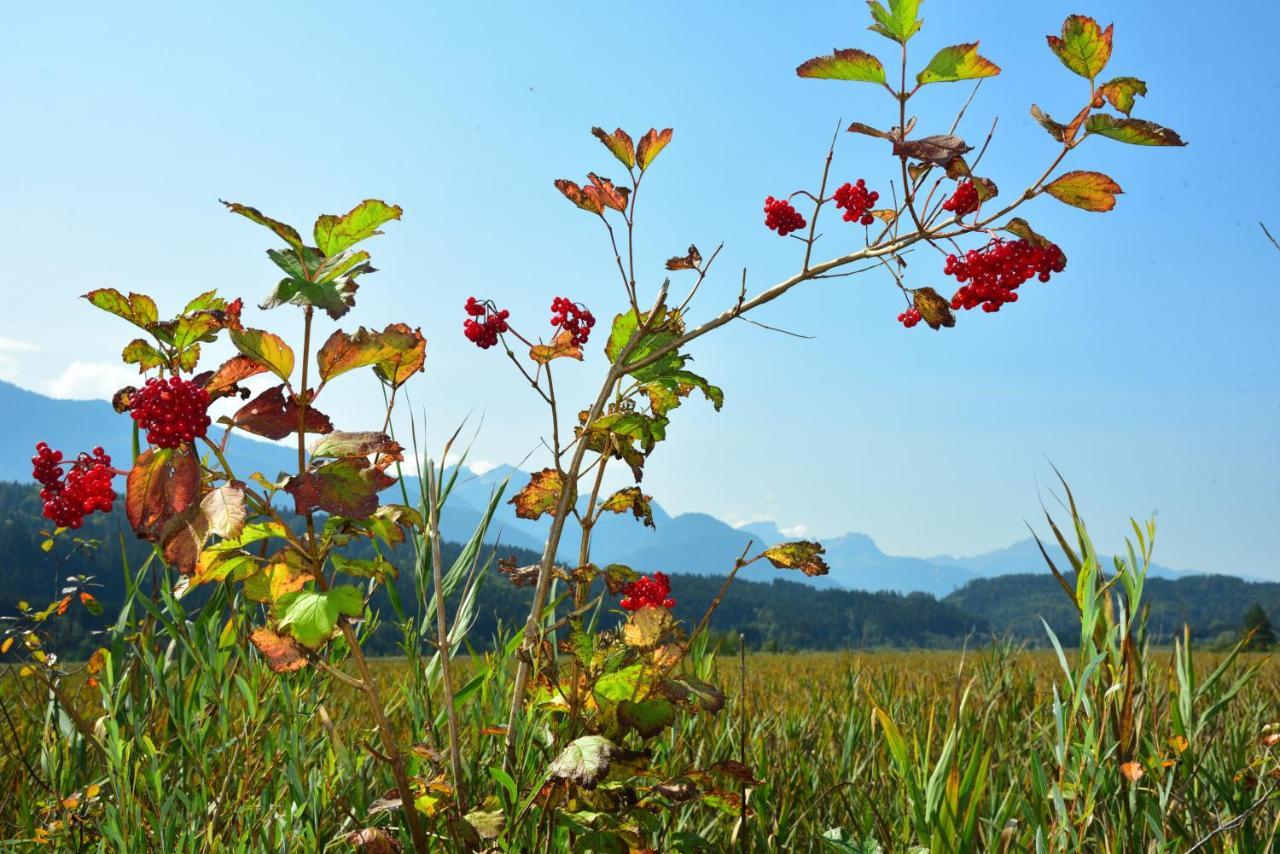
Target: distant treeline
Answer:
[[782, 615]]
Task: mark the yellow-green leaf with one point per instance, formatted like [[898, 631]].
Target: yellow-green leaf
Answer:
[[335, 233], [138, 309], [562, 346], [1132, 131], [1122, 92], [1083, 47], [899, 22], [541, 495], [957, 62], [844, 64], [1090, 191], [286, 232], [650, 145], [803, 555], [619, 144], [265, 348]]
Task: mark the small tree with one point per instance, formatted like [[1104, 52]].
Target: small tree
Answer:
[[1257, 629]]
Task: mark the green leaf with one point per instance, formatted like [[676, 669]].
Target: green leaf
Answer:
[[1090, 191], [1122, 92], [584, 762], [803, 555], [843, 64], [138, 309], [631, 499], [139, 352], [189, 329], [1132, 131], [619, 685], [336, 233], [647, 718], [957, 62], [899, 22], [286, 232], [265, 348], [310, 616], [1084, 47], [344, 352], [377, 568]]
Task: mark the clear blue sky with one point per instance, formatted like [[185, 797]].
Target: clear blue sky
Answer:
[[1147, 371]]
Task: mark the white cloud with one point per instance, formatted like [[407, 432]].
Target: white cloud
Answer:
[[481, 467], [10, 350], [90, 381], [794, 531]]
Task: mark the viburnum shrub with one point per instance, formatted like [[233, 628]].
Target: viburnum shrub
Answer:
[[622, 689], [597, 702]]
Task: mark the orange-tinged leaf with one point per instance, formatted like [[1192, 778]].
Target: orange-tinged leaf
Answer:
[[843, 64], [1090, 191], [1132, 771], [138, 309], [619, 143], [407, 354], [633, 500], [604, 191], [6, 645], [282, 652], [286, 232], [344, 352], [1121, 92], [647, 627], [231, 372], [651, 144], [955, 63], [162, 483], [1083, 47], [933, 308], [803, 555], [271, 415], [574, 193], [562, 346], [1178, 743], [541, 495], [1132, 131], [96, 661]]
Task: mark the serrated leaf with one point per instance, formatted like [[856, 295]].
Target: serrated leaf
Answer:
[[343, 352], [647, 627], [899, 22], [265, 348], [286, 232], [342, 444], [224, 508], [561, 347], [843, 64], [935, 311], [138, 309], [957, 62], [1122, 92], [1083, 47], [574, 193], [232, 372], [541, 495], [407, 354], [651, 145], [619, 144], [376, 568], [162, 483], [1019, 227], [584, 762], [346, 487], [633, 500], [183, 537], [274, 416], [310, 616], [335, 233], [803, 555], [1090, 191], [281, 651], [1132, 131], [939, 149], [139, 352], [284, 573], [690, 261], [604, 192]]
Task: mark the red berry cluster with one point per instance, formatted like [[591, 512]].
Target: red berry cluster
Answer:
[[909, 318], [87, 486], [484, 332], [781, 217], [646, 592], [991, 275], [173, 412], [573, 318], [856, 201], [964, 200]]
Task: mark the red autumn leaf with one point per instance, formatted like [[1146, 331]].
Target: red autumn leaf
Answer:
[[282, 652], [231, 372], [162, 483], [575, 194], [651, 144], [603, 191], [348, 487], [271, 415]]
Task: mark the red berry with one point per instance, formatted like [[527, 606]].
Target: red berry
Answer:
[[990, 276], [87, 487], [909, 318], [484, 333], [646, 592], [964, 200], [172, 412], [781, 217], [856, 201], [573, 318]]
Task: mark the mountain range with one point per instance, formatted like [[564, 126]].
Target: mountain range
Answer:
[[691, 543]]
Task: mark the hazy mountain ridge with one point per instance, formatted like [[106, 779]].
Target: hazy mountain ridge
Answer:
[[695, 543]]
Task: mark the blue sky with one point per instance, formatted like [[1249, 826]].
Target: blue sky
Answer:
[[1146, 372]]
